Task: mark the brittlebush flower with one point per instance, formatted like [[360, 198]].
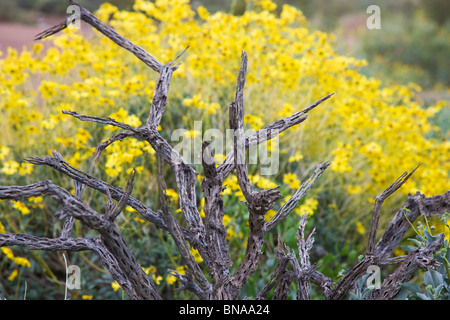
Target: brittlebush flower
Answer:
[[10, 167], [13, 275], [21, 207], [115, 286], [308, 207], [22, 261], [171, 279], [360, 228], [291, 180]]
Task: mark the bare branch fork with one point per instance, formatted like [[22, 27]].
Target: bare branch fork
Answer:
[[208, 236], [210, 240], [379, 254]]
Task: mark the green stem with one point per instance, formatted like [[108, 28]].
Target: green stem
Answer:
[[48, 272], [18, 283], [428, 226], [447, 263], [417, 232]]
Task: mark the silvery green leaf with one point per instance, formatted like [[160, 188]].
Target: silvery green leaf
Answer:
[[429, 236], [423, 296], [433, 278], [417, 242], [408, 249], [411, 286], [438, 290]]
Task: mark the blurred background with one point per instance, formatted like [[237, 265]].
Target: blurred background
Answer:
[[412, 46]]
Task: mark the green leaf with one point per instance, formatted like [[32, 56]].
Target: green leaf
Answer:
[[408, 249], [417, 242], [352, 255], [354, 296], [437, 291], [411, 286], [433, 278], [423, 296], [430, 238], [344, 251], [366, 293], [290, 237], [403, 295]]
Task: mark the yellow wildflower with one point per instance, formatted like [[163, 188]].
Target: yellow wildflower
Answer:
[[22, 261], [269, 214], [354, 189], [196, 255], [360, 228], [115, 286], [170, 279], [13, 275], [308, 207], [157, 279], [25, 168], [10, 167], [173, 195], [296, 157], [8, 252], [192, 134], [203, 13], [3, 152], [21, 207]]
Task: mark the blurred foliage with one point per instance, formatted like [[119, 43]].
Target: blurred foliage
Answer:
[[414, 50]]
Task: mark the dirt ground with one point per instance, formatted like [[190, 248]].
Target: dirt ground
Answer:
[[17, 35]]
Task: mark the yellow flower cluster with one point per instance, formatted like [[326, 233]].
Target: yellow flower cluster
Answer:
[[20, 261], [291, 180], [148, 271], [308, 207], [370, 132], [197, 102], [375, 126]]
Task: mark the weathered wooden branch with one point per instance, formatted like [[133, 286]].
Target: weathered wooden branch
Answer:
[[267, 133], [106, 121], [69, 222], [214, 213], [48, 244], [304, 267], [175, 231], [417, 259], [109, 32], [377, 207], [348, 280], [284, 256], [110, 238], [286, 208], [415, 206], [258, 202], [379, 254], [57, 162], [208, 236]]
